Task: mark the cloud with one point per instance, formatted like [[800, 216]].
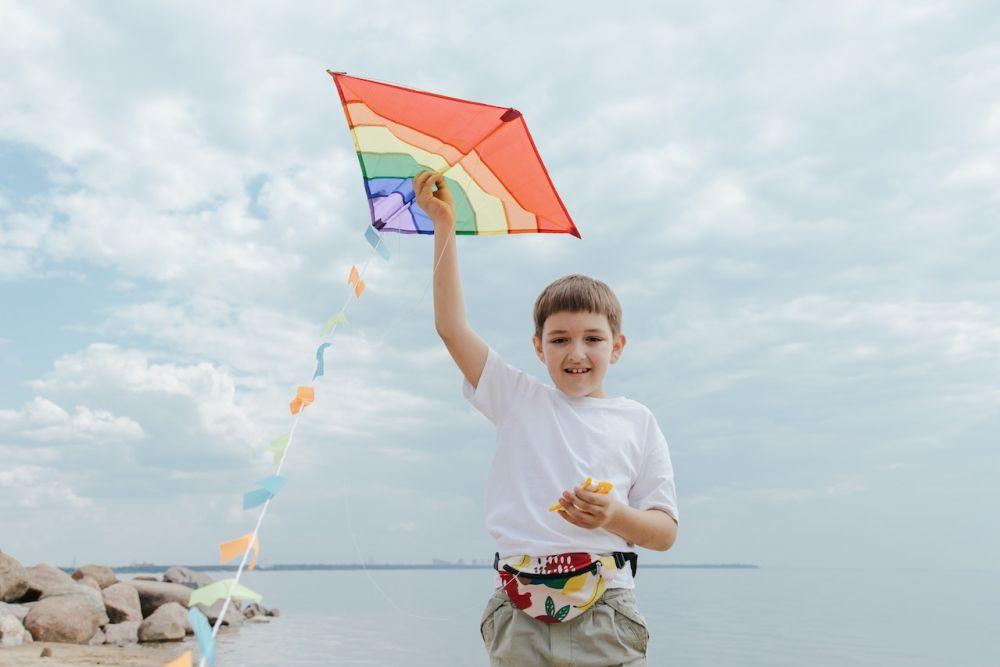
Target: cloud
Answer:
[[34, 487], [42, 420], [804, 246], [210, 389]]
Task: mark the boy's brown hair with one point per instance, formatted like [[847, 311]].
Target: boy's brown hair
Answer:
[[577, 293]]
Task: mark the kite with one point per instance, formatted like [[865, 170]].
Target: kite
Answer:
[[499, 185], [485, 152]]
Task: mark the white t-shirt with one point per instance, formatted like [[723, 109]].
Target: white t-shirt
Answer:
[[549, 442]]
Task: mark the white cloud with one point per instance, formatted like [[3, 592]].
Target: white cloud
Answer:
[[42, 420], [34, 487], [804, 244], [212, 390]]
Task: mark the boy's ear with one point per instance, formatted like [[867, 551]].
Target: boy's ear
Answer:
[[537, 343], [618, 347]]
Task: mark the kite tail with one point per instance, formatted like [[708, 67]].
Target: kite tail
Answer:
[[357, 276]]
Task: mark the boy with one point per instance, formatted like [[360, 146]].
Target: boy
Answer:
[[549, 438]]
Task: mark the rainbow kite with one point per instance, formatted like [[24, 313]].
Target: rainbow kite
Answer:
[[486, 153]]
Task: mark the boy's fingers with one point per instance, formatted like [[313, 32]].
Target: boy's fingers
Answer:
[[420, 181], [588, 497], [576, 511]]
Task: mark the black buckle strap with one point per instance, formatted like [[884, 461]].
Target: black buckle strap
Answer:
[[622, 557]]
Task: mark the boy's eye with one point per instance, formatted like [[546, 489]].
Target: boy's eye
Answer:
[[558, 340], [595, 338]]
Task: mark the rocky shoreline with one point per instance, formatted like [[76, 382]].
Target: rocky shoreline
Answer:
[[96, 611]]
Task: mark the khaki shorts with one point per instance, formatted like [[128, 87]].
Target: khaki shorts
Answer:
[[610, 633]]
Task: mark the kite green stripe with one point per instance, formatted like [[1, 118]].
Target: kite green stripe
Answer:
[[400, 165]]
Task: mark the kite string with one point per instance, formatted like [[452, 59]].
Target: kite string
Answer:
[[357, 546], [349, 513], [251, 542]]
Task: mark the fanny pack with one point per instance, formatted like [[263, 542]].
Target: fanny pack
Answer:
[[560, 587]]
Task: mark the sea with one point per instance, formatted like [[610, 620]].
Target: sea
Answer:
[[712, 617]]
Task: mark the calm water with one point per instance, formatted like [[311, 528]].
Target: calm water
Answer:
[[696, 617]]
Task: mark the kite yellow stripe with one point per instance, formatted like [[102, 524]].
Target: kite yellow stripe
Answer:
[[490, 215]]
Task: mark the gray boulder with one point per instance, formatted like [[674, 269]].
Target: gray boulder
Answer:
[[13, 579], [18, 610], [70, 619], [97, 639], [42, 577], [254, 610], [233, 615], [168, 623], [12, 632], [92, 596], [190, 578], [121, 601], [155, 594], [89, 582], [104, 576], [122, 634]]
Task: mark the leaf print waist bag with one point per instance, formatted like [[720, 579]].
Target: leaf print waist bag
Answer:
[[559, 587]]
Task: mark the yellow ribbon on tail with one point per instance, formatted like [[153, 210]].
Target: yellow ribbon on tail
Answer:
[[183, 660], [207, 595], [303, 396], [236, 548]]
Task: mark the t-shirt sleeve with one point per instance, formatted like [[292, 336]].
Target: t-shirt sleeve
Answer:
[[654, 488], [499, 387]]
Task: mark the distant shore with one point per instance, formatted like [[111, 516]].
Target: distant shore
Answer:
[[308, 567]]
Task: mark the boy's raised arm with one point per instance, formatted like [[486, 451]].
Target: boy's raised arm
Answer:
[[465, 346]]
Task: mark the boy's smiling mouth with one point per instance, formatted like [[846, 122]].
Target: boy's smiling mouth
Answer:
[[576, 371]]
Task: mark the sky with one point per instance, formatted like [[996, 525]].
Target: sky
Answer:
[[796, 204]]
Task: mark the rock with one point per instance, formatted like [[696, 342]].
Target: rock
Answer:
[[12, 632], [97, 639], [89, 581], [92, 596], [121, 634], [167, 623], [13, 579], [233, 615], [104, 576], [42, 577], [190, 578], [154, 594], [46, 653], [254, 610], [121, 601], [18, 610], [145, 577], [70, 619]]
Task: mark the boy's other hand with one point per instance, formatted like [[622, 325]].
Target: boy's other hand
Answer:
[[588, 509], [438, 204]]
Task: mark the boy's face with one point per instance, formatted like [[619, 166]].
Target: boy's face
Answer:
[[578, 341]]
